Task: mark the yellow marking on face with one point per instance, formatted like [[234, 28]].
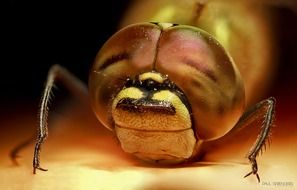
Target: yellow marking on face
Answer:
[[131, 92], [150, 75], [155, 136], [165, 25], [182, 113], [152, 121]]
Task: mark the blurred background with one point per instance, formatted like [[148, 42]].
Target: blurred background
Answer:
[[38, 34]]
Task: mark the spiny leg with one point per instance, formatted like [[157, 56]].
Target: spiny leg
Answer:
[[265, 111], [76, 86]]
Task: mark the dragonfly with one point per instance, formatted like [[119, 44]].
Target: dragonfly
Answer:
[[148, 103]]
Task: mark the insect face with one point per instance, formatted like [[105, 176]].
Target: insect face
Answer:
[[164, 89], [152, 119], [140, 69]]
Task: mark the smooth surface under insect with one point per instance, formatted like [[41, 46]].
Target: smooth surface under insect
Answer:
[[165, 90]]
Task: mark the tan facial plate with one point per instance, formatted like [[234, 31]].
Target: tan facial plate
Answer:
[[154, 134]]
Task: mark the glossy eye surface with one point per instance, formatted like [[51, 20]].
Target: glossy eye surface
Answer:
[[245, 28], [126, 54], [199, 65], [191, 59]]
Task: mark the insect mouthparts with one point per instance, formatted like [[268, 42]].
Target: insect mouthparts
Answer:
[[146, 105]]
